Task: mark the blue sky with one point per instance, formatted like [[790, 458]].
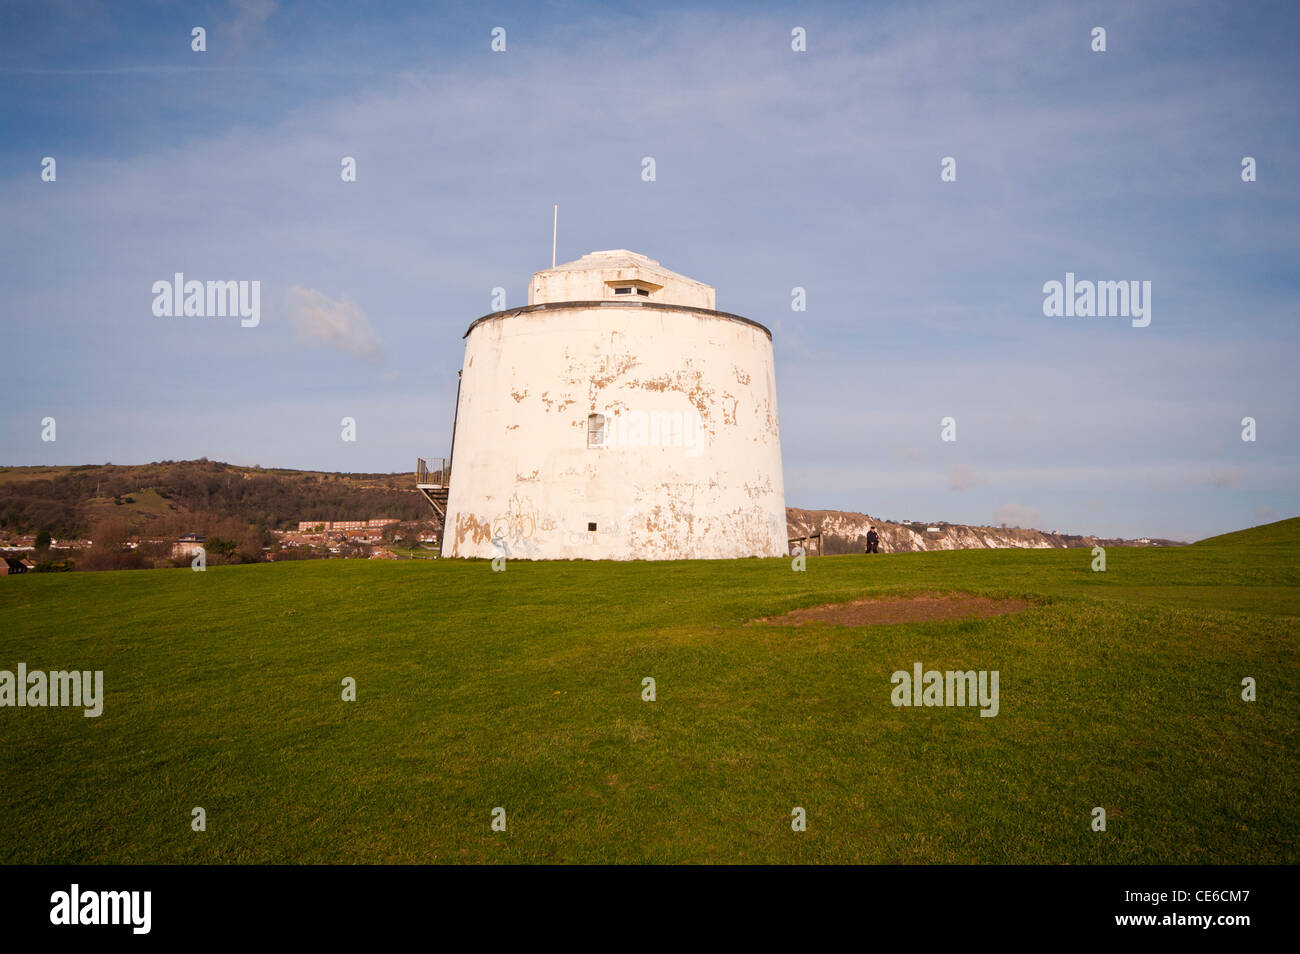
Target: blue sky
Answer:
[[775, 169]]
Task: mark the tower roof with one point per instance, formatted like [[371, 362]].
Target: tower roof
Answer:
[[610, 258], [618, 274]]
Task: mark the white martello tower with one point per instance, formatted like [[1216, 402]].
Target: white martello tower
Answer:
[[619, 416]]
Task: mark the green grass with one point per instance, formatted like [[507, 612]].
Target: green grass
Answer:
[[413, 553], [522, 689]]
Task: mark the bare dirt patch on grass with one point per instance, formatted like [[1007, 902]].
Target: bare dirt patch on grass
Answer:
[[927, 607]]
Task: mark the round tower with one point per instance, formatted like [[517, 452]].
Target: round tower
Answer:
[[619, 416]]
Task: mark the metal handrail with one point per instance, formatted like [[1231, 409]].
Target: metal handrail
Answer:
[[431, 470]]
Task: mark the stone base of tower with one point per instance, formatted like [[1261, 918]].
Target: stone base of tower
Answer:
[[667, 531]]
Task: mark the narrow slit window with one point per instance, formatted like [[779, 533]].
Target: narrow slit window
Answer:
[[623, 291], [596, 430]]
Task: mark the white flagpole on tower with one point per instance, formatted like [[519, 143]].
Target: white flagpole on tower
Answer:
[[555, 231]]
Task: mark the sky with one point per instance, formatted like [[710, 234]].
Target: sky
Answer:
[[775, 169]]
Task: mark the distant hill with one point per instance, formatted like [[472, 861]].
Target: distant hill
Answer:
[[178, 496], [1282, 531], [846, 532]]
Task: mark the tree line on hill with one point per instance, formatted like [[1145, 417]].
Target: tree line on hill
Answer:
[[70, 502]]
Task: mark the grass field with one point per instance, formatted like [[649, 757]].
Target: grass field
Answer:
[[522, 690]]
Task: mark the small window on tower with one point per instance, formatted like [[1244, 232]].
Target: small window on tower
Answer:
[[628, 288], [591, 526], [596, 430]]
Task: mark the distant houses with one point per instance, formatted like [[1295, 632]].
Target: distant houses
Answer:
[[12, 566], [314, 538], [326, 526], [187, 547]]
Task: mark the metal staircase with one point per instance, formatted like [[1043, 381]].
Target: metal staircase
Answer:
[[433, 474], [433, 479]]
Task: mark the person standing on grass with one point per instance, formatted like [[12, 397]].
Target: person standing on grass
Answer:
[[873, 541]]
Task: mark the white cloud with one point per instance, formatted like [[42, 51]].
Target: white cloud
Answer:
[[317, 318]]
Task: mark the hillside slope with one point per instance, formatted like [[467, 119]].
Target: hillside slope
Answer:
[[1281, 531]]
